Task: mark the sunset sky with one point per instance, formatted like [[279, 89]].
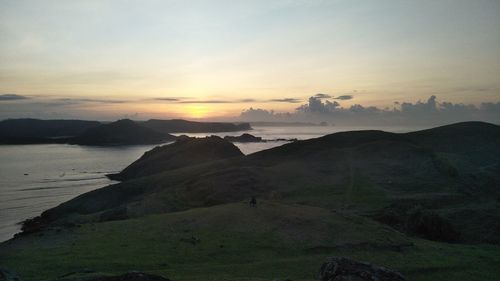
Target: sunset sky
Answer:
[[214, 59]]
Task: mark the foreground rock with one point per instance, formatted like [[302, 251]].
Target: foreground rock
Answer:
[[343, 269], [131, 276], [244, 138]]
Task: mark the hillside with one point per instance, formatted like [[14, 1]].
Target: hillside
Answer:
[[41, 131], [184, 152], [234, 241], [397, 200], [184, 126], [121, 132], [364, 171]]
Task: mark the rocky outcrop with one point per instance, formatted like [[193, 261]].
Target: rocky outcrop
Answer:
[[131, 276], [344, 269], [244, 138]]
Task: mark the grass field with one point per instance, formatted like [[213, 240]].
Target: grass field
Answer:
[[234, 241]]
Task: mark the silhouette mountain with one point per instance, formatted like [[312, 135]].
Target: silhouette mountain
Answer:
[[33, 131], [42, 131], [184, 126], [121, 132]]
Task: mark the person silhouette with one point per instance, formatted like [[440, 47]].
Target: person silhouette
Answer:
[[253, 202]]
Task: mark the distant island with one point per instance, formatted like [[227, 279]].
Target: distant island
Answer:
[[424, 203], [289, 124], [121, 132]]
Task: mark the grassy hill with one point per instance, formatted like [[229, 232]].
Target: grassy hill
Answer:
[[237, 242], [416, 202]]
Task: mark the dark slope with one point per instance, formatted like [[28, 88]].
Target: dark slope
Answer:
[[477, 141], [121, 132], [367, 172], [41, 131], [184, 126], [184, 152]]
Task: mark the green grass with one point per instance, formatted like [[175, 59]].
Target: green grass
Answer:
[[241, 243]]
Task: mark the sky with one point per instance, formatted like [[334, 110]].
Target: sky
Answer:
[[106, 60]]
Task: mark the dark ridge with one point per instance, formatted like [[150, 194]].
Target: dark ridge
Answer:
[[42, 131], [184, 152], [184, 126], [121, 132], [338, 140], [478, 141]]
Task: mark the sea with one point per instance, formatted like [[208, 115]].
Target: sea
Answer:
[[34, 178]]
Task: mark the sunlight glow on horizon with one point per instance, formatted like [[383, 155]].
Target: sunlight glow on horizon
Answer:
[[245, 54]]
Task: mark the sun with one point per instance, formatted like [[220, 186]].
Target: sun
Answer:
[[197, 111]]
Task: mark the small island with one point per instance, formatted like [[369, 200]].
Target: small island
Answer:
[[244, 138]]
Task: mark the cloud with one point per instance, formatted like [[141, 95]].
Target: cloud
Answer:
[[344, 97], [80, 100], [490, 107], [258, 114], [9, 97], [167, 99], [316, 105], [288, 100], [206, 101], [322, 96], [218, 101], [421, 113]]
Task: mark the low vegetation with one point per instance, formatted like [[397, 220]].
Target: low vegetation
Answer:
[[373, 196]]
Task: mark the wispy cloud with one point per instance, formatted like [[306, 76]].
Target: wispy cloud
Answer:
[[167, 99], [8, 97], [344, 97], [220, 101], [207, 101], [83, 100], [288, 100], [322, 96]]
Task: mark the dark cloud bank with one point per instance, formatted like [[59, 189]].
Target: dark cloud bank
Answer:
[[430, 112]]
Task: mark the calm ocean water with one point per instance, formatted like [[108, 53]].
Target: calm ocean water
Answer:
[[34, 178]]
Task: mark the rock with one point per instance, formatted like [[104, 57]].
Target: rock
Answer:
[[131, 276], [244, 138], [344, 269], [7, 275]]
